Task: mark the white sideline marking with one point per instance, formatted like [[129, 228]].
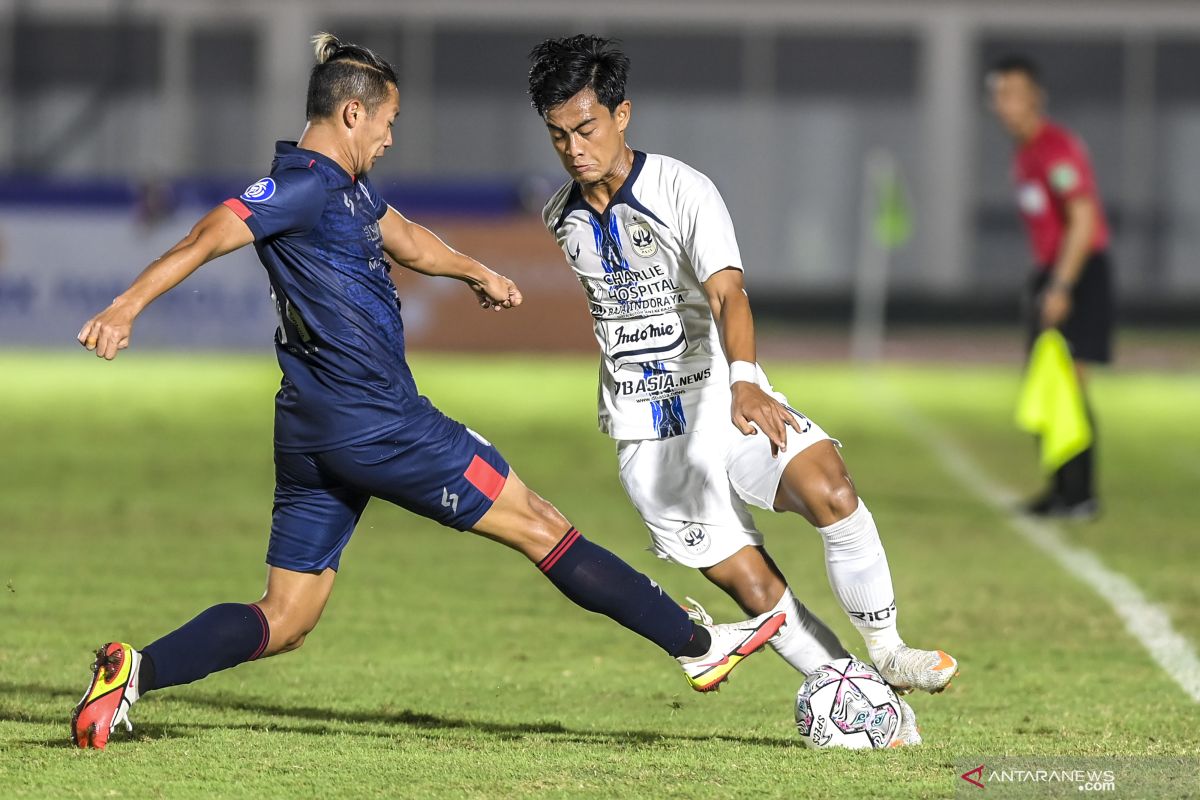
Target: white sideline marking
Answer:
[[1146, 621]]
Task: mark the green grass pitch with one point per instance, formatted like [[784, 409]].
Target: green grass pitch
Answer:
[[135, 494]]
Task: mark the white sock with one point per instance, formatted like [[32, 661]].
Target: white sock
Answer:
[[804, 641], [858, 572]]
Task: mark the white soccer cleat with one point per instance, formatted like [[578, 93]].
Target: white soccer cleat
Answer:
[[731, 644], [907, 668], [907, 734]]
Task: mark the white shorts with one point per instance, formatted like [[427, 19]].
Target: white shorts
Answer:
[[692, 490]]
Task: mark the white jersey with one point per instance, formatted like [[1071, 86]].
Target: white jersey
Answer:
[[642, 264]]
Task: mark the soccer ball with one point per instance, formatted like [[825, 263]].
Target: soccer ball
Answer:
[[847, 703]]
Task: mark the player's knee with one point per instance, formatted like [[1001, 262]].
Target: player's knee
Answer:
[[524, 521], [293, 642], [833, 501], [545, 524], [288, 630], [288, 639], [751, 579], [842, 499], [758, 596]]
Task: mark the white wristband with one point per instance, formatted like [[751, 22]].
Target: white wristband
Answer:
[[743, 371]]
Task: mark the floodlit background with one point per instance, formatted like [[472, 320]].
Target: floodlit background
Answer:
[[120, 122]]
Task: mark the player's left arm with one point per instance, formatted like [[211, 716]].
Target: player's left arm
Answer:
[[752, 406], [1081, 214], [417, 248]]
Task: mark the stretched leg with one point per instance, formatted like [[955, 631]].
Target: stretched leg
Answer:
[[755, 583], [314, 516], [443, 471], [586, 573], [218, 638], [599, 581], [816, 485], [230, 633]]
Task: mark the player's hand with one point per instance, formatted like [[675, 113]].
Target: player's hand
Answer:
[[108, 332], [752, 406], [496, 292], [1056, 306]]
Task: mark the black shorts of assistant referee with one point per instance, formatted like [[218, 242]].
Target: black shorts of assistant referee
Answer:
[[1089, 328]]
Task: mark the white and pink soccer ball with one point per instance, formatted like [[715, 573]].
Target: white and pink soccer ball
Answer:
[[847, 703]]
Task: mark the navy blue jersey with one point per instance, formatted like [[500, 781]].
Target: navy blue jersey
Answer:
[[340, 339]]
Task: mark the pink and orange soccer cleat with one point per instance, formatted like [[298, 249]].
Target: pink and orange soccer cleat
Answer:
[[113, 691]]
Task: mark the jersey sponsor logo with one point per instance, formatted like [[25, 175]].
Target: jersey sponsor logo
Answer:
[[641, 237], [659, 338], [636, 309], [660, 385], [695, 539], [374, 237], [260, 191], [1031, 198], [632, 294], [574, 256]]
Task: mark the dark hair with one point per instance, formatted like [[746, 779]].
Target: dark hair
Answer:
[[1020, 64], [346, 72], [564, 67]]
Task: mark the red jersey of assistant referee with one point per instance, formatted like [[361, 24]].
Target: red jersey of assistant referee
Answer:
[[1050, 169]]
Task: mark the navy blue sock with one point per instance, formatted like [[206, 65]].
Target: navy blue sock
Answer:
[[597, 580], [219, 638]]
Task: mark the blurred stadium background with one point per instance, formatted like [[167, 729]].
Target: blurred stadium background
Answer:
[[121, 120]]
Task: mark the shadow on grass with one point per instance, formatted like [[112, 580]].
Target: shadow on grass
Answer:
[[332, 721]]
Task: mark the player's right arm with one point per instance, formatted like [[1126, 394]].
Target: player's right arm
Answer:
[[220, 231]]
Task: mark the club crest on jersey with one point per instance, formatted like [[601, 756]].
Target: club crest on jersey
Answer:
[[695, 539], [259, 191], [641, 238]]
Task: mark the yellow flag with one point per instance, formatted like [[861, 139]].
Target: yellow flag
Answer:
[[1051, 403]]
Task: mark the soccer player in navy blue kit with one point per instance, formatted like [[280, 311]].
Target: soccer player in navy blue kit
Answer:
[[349, 422]]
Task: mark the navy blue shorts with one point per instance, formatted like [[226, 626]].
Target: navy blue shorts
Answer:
[[435, 467]]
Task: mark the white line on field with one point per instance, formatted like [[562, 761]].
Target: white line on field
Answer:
[[1147, 622]]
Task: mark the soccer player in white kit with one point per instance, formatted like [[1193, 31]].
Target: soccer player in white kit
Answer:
[[700, 433]]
